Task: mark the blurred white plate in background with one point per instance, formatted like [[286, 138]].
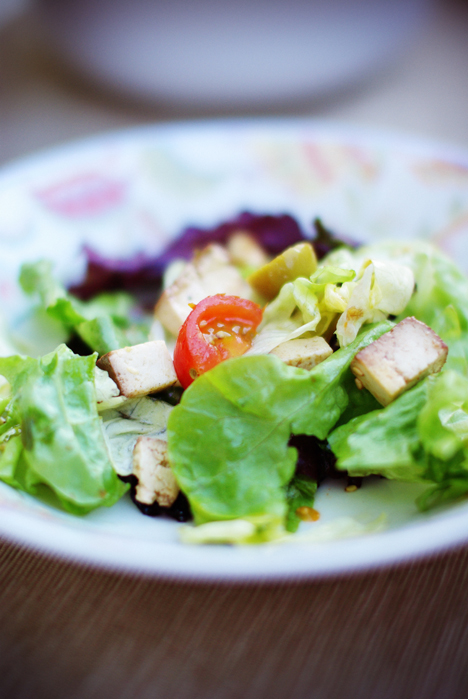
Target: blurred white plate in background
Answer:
[[11, 8], [218, 53]]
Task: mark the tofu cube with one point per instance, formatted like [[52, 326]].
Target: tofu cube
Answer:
[[156, 481], [399, 359], [209, 273], [304, 353], [210, 260], [141, 369], [244, 250], [173, 305]]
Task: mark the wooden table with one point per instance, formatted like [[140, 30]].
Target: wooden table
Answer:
[[68, 631]]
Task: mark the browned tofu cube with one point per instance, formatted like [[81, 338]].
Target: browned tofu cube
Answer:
[[140, 369], [244, 250], [156, 481], [399, 359], [304, 353]]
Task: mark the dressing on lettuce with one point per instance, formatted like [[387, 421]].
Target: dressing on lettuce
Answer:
[[423, 435], [228, 438], [440, 298], [302, 306], [67, 432], [300, 492], [381, 289], [335, 294]]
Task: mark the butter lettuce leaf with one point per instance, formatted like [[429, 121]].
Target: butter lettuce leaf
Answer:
[[228, 438], [383, 442], [104, 323], [421, 436], [51, 443], [332, 295], [300, 492], [441, 301], [303, 306], [124, 424], [440, 298], [381, 289]]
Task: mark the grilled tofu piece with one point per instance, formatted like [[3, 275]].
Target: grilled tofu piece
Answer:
[[210, 273], [399, 359], [303, 353], [141, 369], [156, 481], [244, 250]]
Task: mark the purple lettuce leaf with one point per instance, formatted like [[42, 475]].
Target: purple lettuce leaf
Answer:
[[141, 274], [325, 240]]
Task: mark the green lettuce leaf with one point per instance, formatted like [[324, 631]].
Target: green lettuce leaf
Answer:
[[300, 492], [441, 293], [383, 442], [312, 305], [104, 323], [36, 333], [241, 531], [441, 301], [303, 306], [124, 424], [421, 436], [233, 531], [381, 289], [443, 431], [51, 442], [228, 438]]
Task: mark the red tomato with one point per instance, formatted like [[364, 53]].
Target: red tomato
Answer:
[[219, 327]]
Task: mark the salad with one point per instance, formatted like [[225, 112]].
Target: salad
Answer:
[[223, 381]]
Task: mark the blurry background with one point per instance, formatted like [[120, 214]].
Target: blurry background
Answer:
[[70, 68]]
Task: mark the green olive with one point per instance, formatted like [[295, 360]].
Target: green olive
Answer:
[[297, 261]]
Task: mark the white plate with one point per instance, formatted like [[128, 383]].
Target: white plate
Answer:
[[201, 53], [135, 190]]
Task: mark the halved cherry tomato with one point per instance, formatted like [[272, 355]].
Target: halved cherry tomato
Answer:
[[219, 327]]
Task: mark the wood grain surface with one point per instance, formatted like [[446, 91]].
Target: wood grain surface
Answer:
[[68, 631]]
